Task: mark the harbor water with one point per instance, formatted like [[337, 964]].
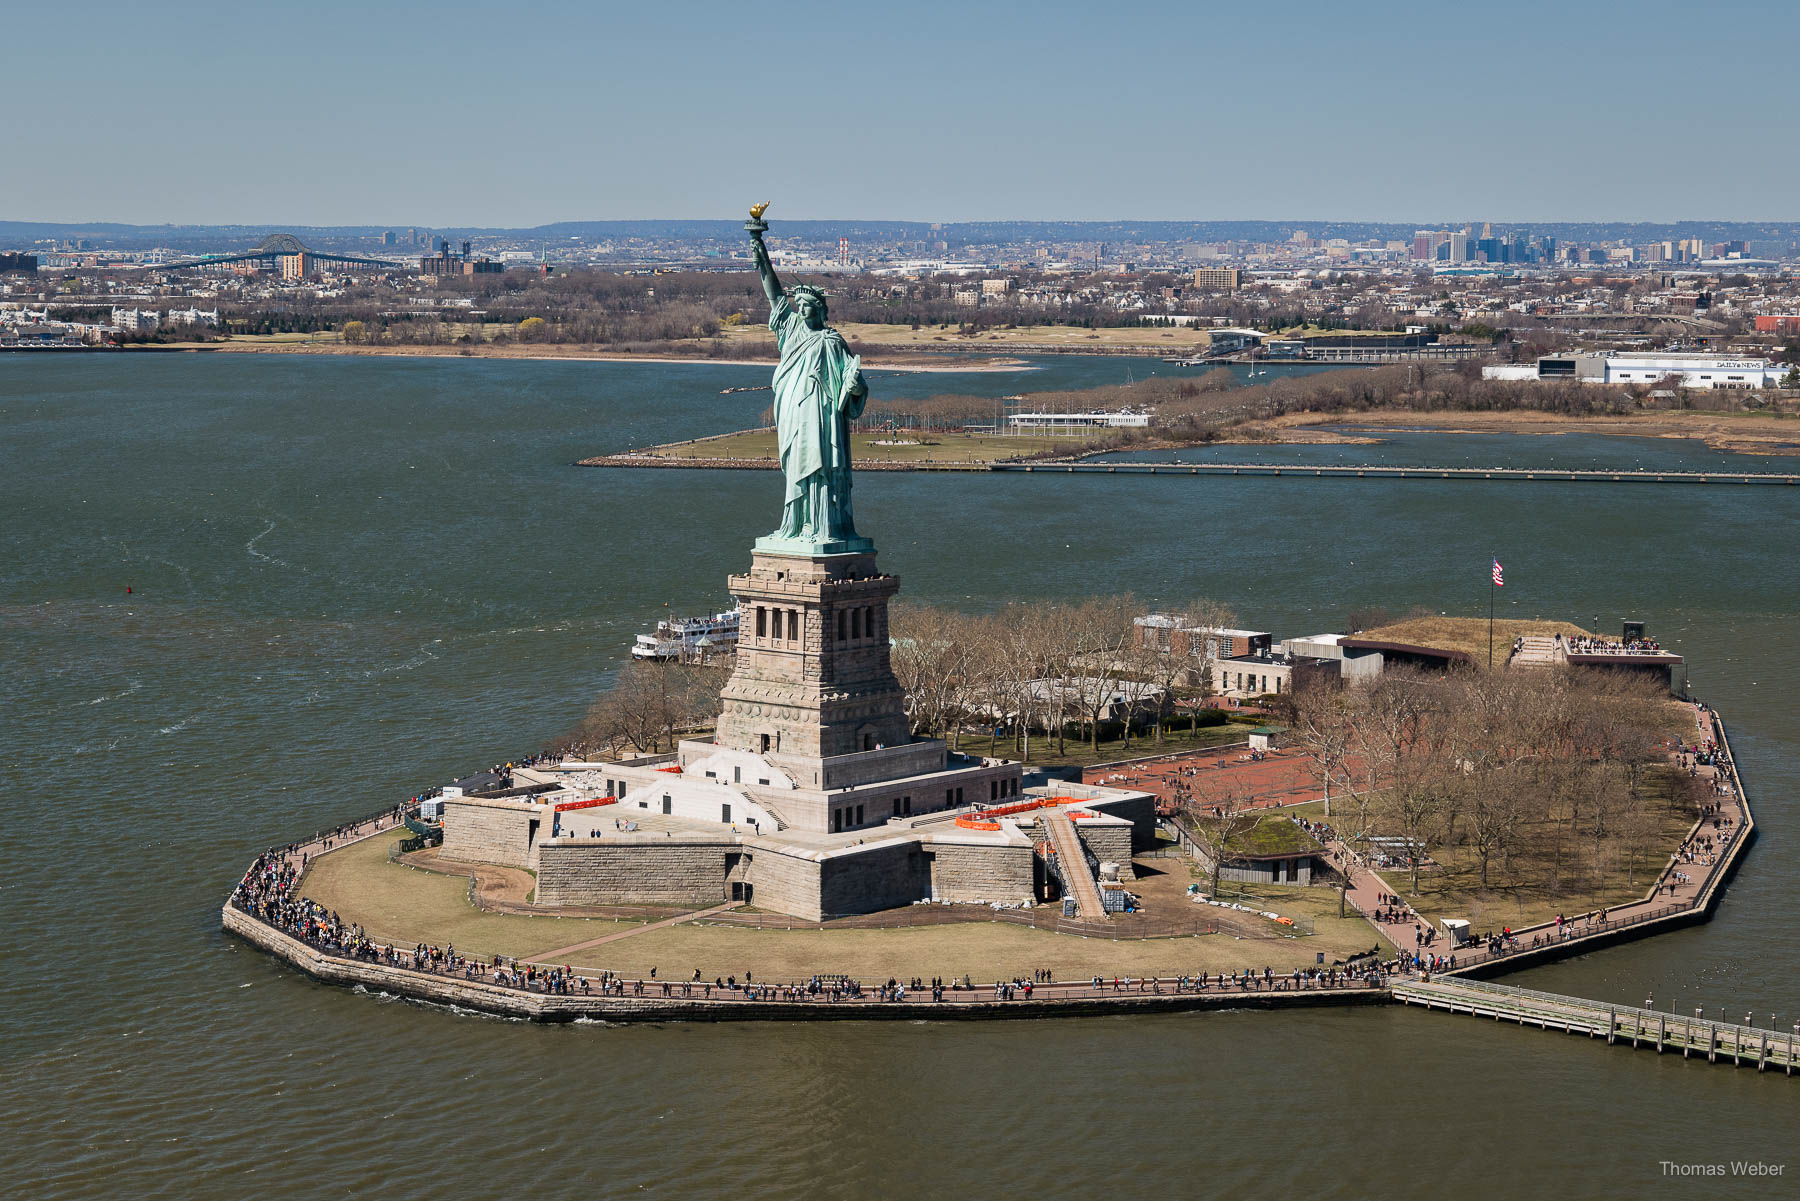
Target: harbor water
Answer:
[[351, 579]]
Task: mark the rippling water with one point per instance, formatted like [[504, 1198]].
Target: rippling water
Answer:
[[351, 578]]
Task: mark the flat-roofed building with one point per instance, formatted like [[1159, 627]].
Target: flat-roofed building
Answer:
[[1701, 372], [1020, 423]]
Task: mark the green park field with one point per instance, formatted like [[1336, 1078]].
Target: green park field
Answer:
[[875, 448]]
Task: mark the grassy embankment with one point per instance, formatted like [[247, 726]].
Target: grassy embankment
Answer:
[[1470, 635], [396, 903], [865, 448], [1762, 432]]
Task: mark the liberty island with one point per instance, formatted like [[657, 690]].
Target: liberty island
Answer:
[[814, 803]]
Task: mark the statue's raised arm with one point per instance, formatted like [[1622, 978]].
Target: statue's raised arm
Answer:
[[757, 227]]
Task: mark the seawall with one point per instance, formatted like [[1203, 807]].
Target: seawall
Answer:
[[502, 1001]]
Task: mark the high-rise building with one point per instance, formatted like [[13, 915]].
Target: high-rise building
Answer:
[[297, 266]]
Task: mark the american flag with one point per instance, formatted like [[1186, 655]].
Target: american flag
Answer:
[[1499, 582]]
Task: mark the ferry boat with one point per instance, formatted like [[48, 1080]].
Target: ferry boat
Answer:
[[689, 639]]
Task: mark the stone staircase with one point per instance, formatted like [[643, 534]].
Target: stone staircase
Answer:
[[781, 822], [1072, 864], [1538, 650]]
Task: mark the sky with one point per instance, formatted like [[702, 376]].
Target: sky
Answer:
[[461, 114]]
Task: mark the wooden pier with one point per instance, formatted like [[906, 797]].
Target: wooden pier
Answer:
[[1455, 991], [1740, 1046]]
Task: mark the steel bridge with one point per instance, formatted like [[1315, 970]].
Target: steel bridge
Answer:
[[270, 250]]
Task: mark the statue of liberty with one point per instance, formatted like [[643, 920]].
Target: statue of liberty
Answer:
[[819, 390]]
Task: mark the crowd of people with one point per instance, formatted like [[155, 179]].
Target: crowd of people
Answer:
[[267, 892], [1390, 910], [1610, 646]]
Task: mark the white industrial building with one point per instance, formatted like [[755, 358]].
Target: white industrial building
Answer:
[[1697, 371], [1020, 423]]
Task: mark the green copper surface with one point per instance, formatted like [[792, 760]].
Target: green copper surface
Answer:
[[819, 391]]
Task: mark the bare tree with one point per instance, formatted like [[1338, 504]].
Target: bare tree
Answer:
[[1220, 818], [1102, 629]]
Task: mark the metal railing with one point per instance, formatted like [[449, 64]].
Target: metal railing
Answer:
[[395, 958], [1618, 1021], [1600, 1008], [1591, 929], [398, 812]]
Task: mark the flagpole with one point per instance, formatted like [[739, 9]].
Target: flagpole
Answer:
[[1494, 559]]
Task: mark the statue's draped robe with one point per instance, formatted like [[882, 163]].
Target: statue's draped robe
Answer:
[[812, 425]]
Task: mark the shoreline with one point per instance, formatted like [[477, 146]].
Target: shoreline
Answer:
[[502, 1001], [984, 365], [1076, 999], [1752, 435], [1765, 434]]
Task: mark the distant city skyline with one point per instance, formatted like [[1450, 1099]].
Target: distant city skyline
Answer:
[[457, 116]]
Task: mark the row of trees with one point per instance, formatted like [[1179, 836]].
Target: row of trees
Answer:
[[1036, 668], [1203, 407], [1042, 667], [1545, 780]]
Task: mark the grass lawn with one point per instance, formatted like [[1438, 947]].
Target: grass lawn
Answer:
[[1275, 835], [402, 904], [985, 951], [397, 903], [1469, 634], [1077, 753], [1162, 883], [917, 447]]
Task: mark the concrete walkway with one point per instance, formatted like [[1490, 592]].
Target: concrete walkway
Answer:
[[551, 956]]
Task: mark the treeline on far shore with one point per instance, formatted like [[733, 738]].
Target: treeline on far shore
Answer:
[[1212, 405]]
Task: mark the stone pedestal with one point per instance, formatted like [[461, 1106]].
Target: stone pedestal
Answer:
[[813, 680]]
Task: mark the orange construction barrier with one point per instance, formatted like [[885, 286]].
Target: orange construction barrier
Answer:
[[595, 803], [980, 820]]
